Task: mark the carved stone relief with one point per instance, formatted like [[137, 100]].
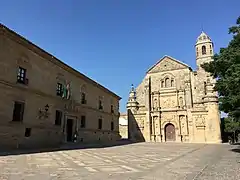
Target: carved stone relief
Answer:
[[140, 123], [60, 77], [23, 60], [168, 118], [169, 103], [200, 121]]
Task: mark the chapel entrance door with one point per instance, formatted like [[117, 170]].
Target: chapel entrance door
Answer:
[[170, 134]]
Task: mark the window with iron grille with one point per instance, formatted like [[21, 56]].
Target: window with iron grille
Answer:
[[58, 118], [59, 89], [83, 98], [18, 111], [100, 106], [112, 110], [28, 132], [99, 123], [21, 77], [83, 121], [112, 126]]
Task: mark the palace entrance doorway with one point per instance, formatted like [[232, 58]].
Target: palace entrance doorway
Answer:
[[69, 130]]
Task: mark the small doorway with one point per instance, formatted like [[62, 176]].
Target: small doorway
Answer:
[[69, 130], [170, 134]]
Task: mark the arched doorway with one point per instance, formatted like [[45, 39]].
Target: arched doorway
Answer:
[[170, 134]]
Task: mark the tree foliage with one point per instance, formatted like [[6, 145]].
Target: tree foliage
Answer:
[[231, 125], [225, 67]]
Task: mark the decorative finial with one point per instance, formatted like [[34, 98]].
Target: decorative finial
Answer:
[[132, 87], [202, 27]]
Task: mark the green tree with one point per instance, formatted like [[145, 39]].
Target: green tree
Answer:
[[225, 67], [231, 126]]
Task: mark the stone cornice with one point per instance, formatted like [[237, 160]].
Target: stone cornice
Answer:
[[32, 47]]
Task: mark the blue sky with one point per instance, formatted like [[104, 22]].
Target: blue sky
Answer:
[[115, 41]]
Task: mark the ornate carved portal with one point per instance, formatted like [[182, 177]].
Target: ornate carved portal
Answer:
[[170, 134]]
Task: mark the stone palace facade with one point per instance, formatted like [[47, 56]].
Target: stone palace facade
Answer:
[[45, 102], [175, 103]]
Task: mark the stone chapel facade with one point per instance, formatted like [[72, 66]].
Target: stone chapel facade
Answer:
[[175, 103]]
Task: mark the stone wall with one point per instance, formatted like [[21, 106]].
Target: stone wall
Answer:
[[43, 72]]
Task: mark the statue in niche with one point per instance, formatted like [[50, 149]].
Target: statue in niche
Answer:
[[183, 125], [155, 104], [181, 102]]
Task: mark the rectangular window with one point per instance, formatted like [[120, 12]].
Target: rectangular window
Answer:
[[21, 77], [100, 105], [99, 123], [112, 126], [112, 111], [58, 118], [83, 98], [59, 89], [27, 132], [83, 121], [18, 111]]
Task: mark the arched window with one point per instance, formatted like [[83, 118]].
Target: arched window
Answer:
[[197, 51], [83, 98], [167, 82], [83, 94], [100, 103], [162, 84], [210, 49], [172, 83], [203, 50]]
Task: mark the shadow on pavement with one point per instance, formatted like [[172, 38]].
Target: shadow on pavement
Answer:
[[68, 146], [236, 147], [237, 150]]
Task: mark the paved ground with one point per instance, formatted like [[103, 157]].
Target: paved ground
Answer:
[[146, 161]]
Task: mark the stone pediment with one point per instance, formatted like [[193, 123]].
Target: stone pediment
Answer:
[[167, 63]]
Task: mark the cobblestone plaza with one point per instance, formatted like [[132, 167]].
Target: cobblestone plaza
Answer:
[[134, 161]]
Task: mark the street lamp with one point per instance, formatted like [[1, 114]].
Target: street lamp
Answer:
[[46, 108]]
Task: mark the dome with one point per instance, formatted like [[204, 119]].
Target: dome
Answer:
[[203, 38]]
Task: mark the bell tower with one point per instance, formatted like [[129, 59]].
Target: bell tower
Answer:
[[204, 49]]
